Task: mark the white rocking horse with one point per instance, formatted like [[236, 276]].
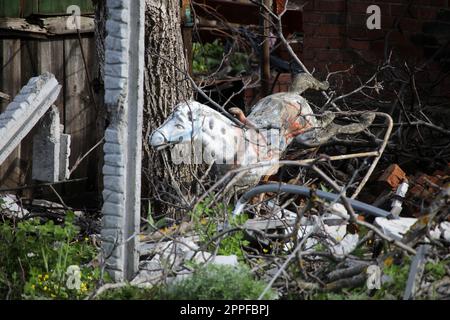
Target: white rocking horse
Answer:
[[200, 134]]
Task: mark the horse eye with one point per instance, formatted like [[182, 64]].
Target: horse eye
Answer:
[[179, 126]]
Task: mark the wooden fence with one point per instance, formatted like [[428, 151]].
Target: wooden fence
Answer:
[[28, 53]]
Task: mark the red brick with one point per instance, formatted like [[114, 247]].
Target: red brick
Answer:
[[335, 18], [357, 7], [310, 29], [329, 55], [377, 47], [425, 13], [393, 176], [329, 30], [358, 20], [284, 78], [313, 17], [362, 7], [336, 43], [411, 25], [308, 54], [338, 67], [331, 5], [309, 6], [398, 9], [375, 34], [356, 32], [359, 45], [388, 21], [316, 43], [439, 3]]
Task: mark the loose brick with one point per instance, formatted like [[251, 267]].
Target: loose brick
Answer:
[[393, 176]]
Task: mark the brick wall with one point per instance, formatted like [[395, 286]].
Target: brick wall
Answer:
[[336, 35]]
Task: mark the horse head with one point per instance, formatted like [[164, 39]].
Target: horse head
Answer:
[[182, 125]]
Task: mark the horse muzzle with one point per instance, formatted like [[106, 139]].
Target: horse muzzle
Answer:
[[158, 141]]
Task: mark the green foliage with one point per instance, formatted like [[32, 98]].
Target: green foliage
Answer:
[[34, 258], [398, 275], [217, 282], [130, 293], [436, 270], [211, 282], [208, 57], [205, 220]]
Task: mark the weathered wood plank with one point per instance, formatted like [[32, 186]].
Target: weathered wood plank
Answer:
[[10, 83], [51, 59], [79, 110], [43, 27], [20, 25]]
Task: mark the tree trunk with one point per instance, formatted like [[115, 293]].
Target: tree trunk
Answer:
[[165, 86], [100, 34]]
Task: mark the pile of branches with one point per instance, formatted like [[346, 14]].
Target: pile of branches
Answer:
[[300, 262]]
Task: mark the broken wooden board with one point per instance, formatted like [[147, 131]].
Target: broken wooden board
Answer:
[[43, 28]]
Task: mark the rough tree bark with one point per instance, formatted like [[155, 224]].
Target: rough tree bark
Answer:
[[165, 86], [100, 35]]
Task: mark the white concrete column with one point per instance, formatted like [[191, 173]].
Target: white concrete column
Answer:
[[124, 73]]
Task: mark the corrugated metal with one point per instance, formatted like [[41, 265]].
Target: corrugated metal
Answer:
[[25, 8]]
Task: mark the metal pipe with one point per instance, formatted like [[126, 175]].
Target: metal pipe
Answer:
[[304, 191]]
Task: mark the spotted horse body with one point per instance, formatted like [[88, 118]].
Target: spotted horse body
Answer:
[[200, 134]]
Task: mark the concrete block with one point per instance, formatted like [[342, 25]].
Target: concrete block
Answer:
[[116, 70], [113, 171], [112, 148], [112, 209], [64, 155], [115, 57], [117, 4], [117, 29], [114, 160], [17, 123], [114, 84], [112, 196], [116, 44], [46, 148], [120, 15], [111, 222]]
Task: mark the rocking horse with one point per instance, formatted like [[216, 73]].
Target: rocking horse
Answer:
[[273, 123]]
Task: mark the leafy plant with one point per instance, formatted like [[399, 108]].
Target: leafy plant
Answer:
[[205, 219], [35, 256], [207, 58], [217, 282]]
